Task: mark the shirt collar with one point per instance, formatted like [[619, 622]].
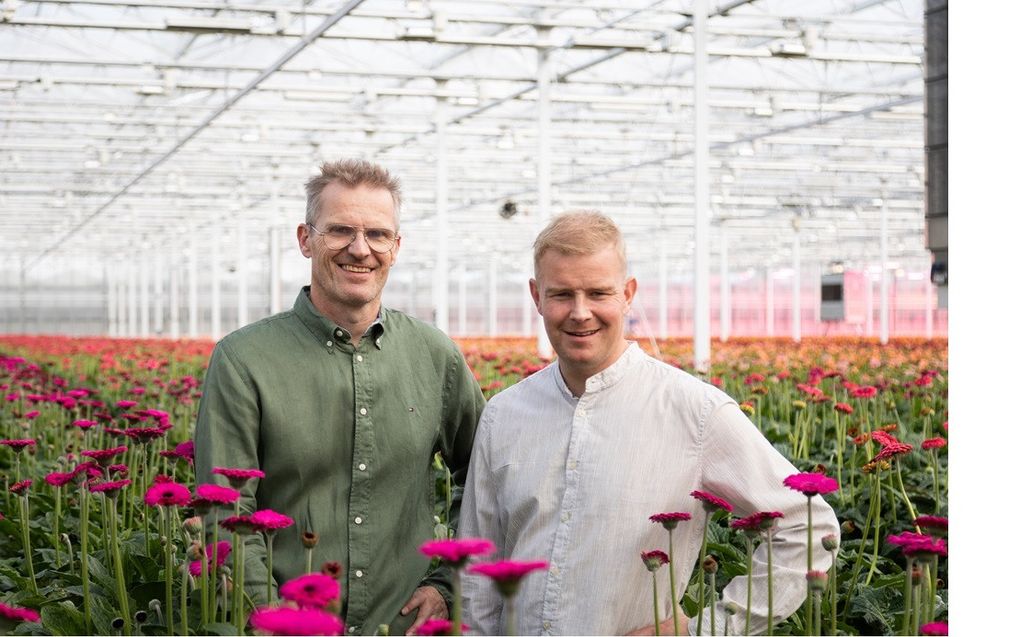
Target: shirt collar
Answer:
[[326, 331], [608, 376]]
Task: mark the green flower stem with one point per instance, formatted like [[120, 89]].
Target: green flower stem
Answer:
[[750, 565], [701, 569], [57, 502], [457, 610], [934, 575], [118, 567], [239, 615], [935, 471], [768, 545], [672, 587], [878, 531], [204, 586], [907, 595], [168, 566], [840, 445], [816, 600], [711, 601], [83, 531], [308, 560], [511, 616], [655, 604], [919, 610], [903, 492], [270, 536], [858, 562], [235, 593], [184, 600], [26, 541], [213, 580], [832, 593], [809, 614]]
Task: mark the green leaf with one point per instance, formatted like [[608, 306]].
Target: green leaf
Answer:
[[875, 606], [219, 628], [63, 619]]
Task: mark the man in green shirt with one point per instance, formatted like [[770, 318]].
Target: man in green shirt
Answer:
[[343, 404]]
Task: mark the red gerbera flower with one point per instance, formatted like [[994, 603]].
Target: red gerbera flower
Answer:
[[295, 621], [654, 559], [811, 483], [216, 493], [18, 445], [104, 456], [864, 392], [457, 551], [892, 450], [237, 477], [756, 522], [669, 521], [219, 553], [843, 407], [19, 487], [84, 424], [314, 590], [934, 443], [109, 488], [712, 502], [167, 494], [933, 524], [58, 479], [240, 524]]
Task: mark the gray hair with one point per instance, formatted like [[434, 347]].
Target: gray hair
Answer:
[[351, 173]]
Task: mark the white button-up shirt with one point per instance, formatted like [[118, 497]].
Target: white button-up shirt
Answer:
[[574, 480]]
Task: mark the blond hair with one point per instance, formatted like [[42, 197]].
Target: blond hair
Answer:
[[580, 232], [351, 173]]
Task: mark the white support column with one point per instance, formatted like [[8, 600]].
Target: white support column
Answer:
[[527, 318], [122, 302], [544, 159], [132, 300], [192, 282], [929, 310], [145, 309], [216, 318], [242, 268], [441, 276], [869, 305], [275, 305], [175, 300], [663, 291], [158, 295], [725, 312], [883, 300], [493, 296], [462, 299], [795, 284], [770, 303], [111, 299], [22, 298], [702, 316]]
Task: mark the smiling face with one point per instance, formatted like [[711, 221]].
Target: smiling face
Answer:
[[349, 281], [583, 300]]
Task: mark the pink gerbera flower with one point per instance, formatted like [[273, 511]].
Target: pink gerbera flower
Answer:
[[892, 450], [935, 628], [18, 445], [126, 404], [933, 524], [268, 520], [20, 487], [295, 621], [217, 494], [756, 522], [712, 502], [17, 614], [314, 590], [84, 424], [435, 626], [934, 443], [811, 483], [507, 574], [670, 520], [110, 488], [58, 479], [104, 456], [864, 392], [457, 551], [237, 477], [843, 407], [240, 524], [219, 553], [167, 494], [654, 559]]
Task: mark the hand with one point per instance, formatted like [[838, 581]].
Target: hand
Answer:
[[430, 604], [665, 627]]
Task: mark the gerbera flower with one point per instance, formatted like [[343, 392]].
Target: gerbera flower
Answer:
[[507, 574], [864, 392], [670, 520], [240, 524], [756, 522], [144, 435], [935, 628], [712, 502], [843, 407], [811, 483], [17, 614], [435, 626], [654, 559], [269, 520], [104, 456], [295, 621], [84, 424], [20, 487], [892, 450], [126, 404], [217, 494], [167, 494], [314, 590], [18, 445], [237, 477], [933, 524], [110, 488], [218, 553], [457, 551], [934, 443], [58, 479]]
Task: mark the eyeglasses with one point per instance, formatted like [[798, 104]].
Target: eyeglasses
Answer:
[[339, 237]]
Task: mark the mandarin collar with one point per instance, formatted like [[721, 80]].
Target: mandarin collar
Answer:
[[607, 377], [328, 333]]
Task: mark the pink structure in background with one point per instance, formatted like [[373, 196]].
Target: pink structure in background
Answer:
[[911, 297]]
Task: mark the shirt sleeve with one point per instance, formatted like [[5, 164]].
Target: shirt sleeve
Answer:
[[463, 403], [741, 466], [227, 435], [480, 518]]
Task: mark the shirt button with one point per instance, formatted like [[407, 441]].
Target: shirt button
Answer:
[[378, 341], [572, 464], [363, 411], [359, 358], [329, 343], [362, 466], [358, 573], [357, 520], [546, 625], [565, 517], [554, 569]]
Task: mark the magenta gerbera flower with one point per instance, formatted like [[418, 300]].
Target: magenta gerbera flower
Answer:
[[295, 621], [843, 407], [217, 494], [167, 494], [219, 553], [756, 522], [654, 559], [670, 520], [435, 626], [314, 590], [269, 520], [18, 445], [507, 574], [892, 450], [240, 524], [712, 502], [457, 551], [58, 479], [110, 488], [935, 628], [933, 524], [864, 392], [126, 404], [20, 487], [934, 443], [237, 477], [104, 456], [84, 424], [811, 483], [17, 614]]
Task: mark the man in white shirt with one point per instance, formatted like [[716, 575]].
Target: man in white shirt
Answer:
[[569, 464]]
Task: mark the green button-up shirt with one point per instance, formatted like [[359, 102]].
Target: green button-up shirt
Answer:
[[346, 437]]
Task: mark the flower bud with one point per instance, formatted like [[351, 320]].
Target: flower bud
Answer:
[[309, 539], [195, 551], [816, 580], [333, 569], [731, 608], [848, 527], [799, 405], [830, 543], [141, 616], [709, 565], [193, 525], [117, 624]]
